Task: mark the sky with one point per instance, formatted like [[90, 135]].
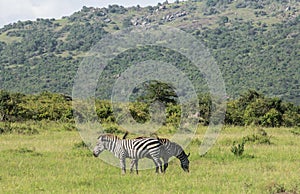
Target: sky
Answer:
[[21, 10]]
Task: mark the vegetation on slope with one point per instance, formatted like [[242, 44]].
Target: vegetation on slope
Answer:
[[256, 44]]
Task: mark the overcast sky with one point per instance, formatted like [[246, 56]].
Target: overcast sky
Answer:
[[15, 10]]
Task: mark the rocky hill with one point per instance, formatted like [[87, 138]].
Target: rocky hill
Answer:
[[255, 43]]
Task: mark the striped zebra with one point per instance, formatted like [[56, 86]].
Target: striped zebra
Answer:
[[130, 148], [174, 149], [168, 150]]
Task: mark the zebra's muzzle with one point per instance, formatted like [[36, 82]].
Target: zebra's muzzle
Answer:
[[96, 155]]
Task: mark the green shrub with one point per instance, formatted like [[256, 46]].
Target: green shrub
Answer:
[[140, 112], [104, 112], [295, 131], [272, 118], [5, 128], [260, 136], [173, 114], [256, 138], [291, 118], [20, 128], [80, 145], [238, 148], [68, 127], [113, 130], [276, 188], [254, 111]]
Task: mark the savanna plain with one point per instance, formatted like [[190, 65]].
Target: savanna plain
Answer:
[[55, 160]]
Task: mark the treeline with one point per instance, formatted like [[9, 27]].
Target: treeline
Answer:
[[43, 106], [255, 108], [251, 108]]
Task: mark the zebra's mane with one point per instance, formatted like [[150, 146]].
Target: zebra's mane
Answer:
[[183, 153], [108, 136], [152, 135], [141, 137]]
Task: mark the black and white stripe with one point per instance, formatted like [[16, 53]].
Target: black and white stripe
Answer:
[[130, 148], [171, 149], [168, 150]]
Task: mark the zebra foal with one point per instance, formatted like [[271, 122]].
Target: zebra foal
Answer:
[[130, 148]]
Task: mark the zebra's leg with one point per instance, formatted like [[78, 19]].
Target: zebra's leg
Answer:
[[134, 162], [166, 164], [131, 165], [136, 166], [123, 165], [158, 165]]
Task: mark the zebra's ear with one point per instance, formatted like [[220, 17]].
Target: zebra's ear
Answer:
[[125, 135], [188, 154]]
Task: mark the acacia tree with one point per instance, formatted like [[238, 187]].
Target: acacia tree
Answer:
[[156, 91]]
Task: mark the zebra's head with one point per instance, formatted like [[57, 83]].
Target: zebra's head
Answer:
[[100, 146], [105, 142], [185, 164]]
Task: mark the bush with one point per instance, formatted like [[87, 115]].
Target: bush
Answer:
[[113, 130], [20, 128], [81, 145], [238, 148], [276, 188], [68, 127], [295, 131], [104, 112], [254, 111], [290, 118], [260, 137], [253, 108], [173, 114], [256, 138], [140, 112], [5, 128], [272, 118]]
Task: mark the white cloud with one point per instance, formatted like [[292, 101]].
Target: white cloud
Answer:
[[15, 10]]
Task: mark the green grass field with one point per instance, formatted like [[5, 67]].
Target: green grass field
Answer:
[[54, 161]]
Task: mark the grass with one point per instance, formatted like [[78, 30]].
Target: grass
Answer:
[[56, 161], [9, 39]]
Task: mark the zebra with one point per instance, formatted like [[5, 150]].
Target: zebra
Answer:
[[168, 150], [174, 149], [130, 148]]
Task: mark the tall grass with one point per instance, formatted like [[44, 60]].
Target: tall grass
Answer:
[[56, 161]]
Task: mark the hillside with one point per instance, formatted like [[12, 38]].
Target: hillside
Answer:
[[255, 43]]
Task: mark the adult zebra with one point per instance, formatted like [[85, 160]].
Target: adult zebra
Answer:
[[174, 149], [130, 148], [168, 150]]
